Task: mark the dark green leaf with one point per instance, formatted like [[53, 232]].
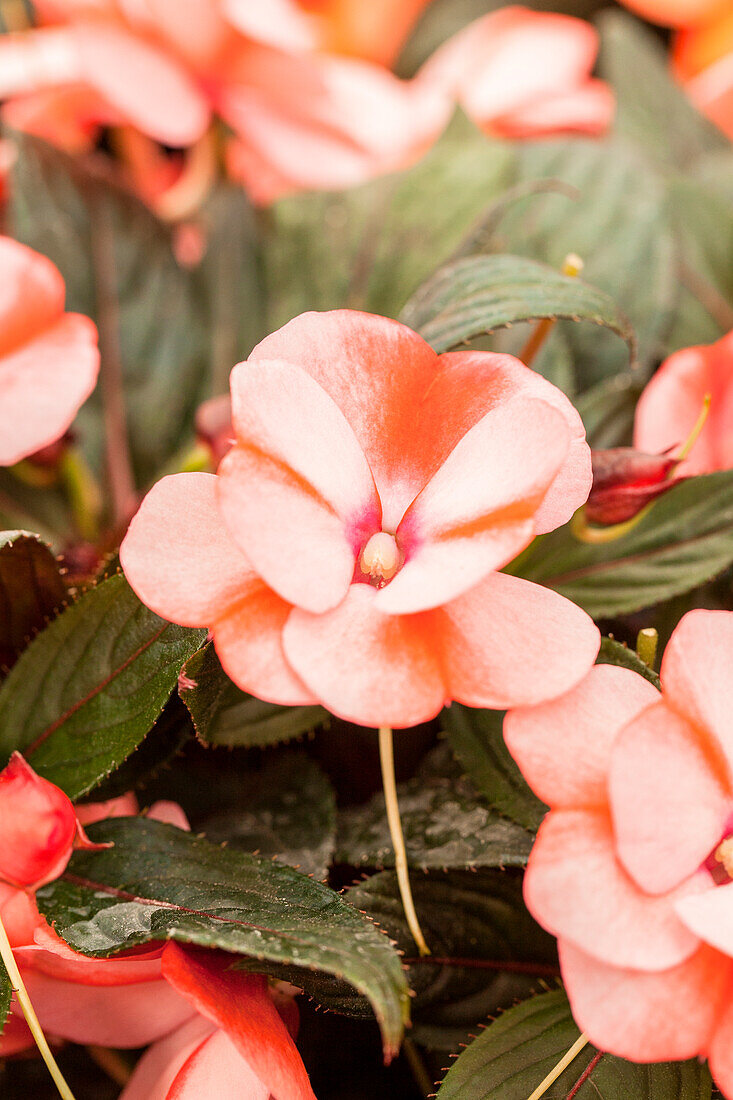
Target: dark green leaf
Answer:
[[224, 715], [119, 267], [651, 108], [6, 995], [477, 918], [287, 810], [477, 739], [445, 825], [159, 882], [512, 1056], [31, 590], [88, 689], [479, 294], [608, 411], [619, 226], [684, 540], [614, 653], [370, 247]]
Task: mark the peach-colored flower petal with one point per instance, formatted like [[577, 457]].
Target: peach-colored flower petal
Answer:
[[37, 823], [296, 492], [589, 109], [645, 1017], [43, 384], [159, 1066], [50, 955], [712, 93], [364, 666], [179, 556], [146, 84], [216, 1070], [32, 294], [19, 914], [576, 888], [170, 813], [326, 122], [477, 512], [677, 13], [709, 915], [468, 385], [118, 1016], [125, 805], [697, 680], [375, 30], [498, 643], [239, 1003], [668, 800], [511, 59], [280, 23], [672, 401], [197, 33], [563, 747], [249, 644], [16, 1036]]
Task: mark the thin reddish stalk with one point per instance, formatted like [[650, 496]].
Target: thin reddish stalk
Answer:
[[585, 1075]]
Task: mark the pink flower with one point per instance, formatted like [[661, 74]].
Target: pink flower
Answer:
[[301, 118], [671, 403], [632, 869], [347, 551], [38, 825], [48, 359], [702, 59], [520, 73]]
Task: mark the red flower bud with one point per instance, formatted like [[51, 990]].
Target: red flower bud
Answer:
[[214, 426], [625, 481], [38, 825]]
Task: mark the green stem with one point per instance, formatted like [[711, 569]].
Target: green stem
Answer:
[[6, 953], [386, 759], [83, 492]]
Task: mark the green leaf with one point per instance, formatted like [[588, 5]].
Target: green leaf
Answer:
[[119, 267], [614, 653], [608, 411], [620, 226], [512, 1056], [685, 539], [225, 715], [445, 825], [286, 810], [371, 246], [31, 590], [6, 996], [479, 294], [477, 739], [651, 107], [88, 689], [159, 882], [474, 917]]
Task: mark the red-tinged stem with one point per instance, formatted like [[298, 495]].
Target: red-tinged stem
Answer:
[[538, 970], [111, 383], [585, 1075]]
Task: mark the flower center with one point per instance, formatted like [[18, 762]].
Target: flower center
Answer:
[[380, 559]]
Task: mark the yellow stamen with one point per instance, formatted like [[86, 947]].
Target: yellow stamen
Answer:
[[724, 855]]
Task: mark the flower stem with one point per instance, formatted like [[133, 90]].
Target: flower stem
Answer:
[[560, 1068], [83, 492], [6, 953], [386, 759], [571, 267]]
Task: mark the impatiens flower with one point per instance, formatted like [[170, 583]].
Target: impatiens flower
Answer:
[[520, 73], [347, 550], [38, 825], [632, 869], [671, 403], [300, 118], [702, 59], [48, 358], [625, 481], [678, 13]]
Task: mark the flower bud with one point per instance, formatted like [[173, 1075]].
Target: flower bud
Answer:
[[38, 825], [624, 482]]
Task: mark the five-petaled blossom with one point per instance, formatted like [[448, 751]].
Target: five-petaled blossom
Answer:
[[38, 824], [347, 551], [521, 74], [671, 403], [216, 1032], [48, 358], [632, 869]]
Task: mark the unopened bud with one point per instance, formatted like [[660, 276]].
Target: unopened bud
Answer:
[[624, 482]]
